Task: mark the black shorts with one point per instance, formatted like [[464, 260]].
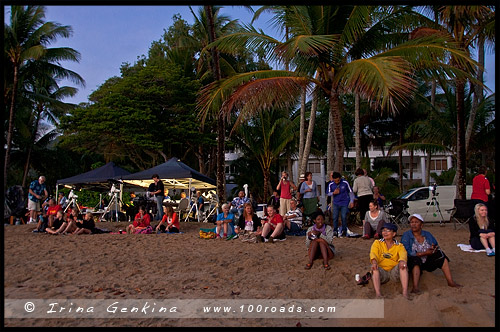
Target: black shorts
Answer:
[[434, 261]]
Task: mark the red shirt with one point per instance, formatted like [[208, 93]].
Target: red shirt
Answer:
[[285, 190], [174, 220], [479, 185], [52, 210], [146, 220], [277, 219]]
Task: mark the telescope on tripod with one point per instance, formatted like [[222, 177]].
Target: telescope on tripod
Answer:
[[72, 201], [434, 202], [115, 200]]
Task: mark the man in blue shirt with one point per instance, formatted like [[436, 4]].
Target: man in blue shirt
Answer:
[[37, 187], [238, 203], [343, 199]]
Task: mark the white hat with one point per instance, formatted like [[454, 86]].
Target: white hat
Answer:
[[302, 176], [416, 215]]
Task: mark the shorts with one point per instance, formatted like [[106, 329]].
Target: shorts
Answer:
[[433, 262], [33, 206], [385, 276]]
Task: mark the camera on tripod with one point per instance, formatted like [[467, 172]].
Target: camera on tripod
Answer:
[[433, 188]]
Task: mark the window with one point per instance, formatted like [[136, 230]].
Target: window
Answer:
[[439, 165], [314, 167], [407, 166]]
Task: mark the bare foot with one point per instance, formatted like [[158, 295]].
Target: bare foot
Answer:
[[415, 290], [405, 295], [379, 296]]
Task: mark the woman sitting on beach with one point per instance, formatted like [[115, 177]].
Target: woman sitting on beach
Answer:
[[58, 225], [319, 241], [249, 224], [141, 224], [388, 260], [71, 221], [424, 253], [273, 227], [170, 221], [482, 230], [85, 226], [225, 222], [373, 221]]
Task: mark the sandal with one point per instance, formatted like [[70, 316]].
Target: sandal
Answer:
[[327, 267], [308, 266], [364, 280]]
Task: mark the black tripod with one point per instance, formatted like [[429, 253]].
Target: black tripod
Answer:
[[435, 202]]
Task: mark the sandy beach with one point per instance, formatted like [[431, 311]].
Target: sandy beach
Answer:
[[183, 266]]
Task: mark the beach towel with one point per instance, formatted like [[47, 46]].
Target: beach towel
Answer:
[[467, 247], [207, 233], [146, 230]]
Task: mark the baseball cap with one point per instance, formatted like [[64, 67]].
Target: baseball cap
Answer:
[[416, 215], [392, 227]]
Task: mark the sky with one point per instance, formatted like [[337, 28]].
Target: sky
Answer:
[[108, 36]]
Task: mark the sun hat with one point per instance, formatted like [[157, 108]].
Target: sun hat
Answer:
[[416, 215], [392, 227]]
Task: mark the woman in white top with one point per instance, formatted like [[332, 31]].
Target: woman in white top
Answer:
[[373, 221]]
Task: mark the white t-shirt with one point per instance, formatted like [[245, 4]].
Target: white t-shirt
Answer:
[[298, 218]]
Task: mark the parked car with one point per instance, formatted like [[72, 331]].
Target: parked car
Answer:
[[423, 201]]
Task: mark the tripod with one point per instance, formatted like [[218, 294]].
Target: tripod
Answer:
[[72, 201], [114, 199], [435, 202], [213, 211], [195, 209]]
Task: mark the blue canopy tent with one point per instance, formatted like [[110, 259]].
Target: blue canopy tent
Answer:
[[174, 174], [96, 179]]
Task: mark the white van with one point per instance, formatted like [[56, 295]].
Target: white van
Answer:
[[422, 201]]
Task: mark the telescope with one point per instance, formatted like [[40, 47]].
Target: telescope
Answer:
[[72, 195]]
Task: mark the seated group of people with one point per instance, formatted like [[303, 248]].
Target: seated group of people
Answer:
[[53, 220], [142, 222]]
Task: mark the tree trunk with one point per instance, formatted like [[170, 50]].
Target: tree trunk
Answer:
[[310, 130], [428, 168], [411, 166], [338, 133], [302, 128], [32, 142], [330, 144], [400, 160], [357, 131], [478, 95], [221, 124], [10, 131], [266, 183], [461, 157]]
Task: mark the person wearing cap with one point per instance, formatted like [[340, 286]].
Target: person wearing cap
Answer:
[[424, 253], [388, 260]]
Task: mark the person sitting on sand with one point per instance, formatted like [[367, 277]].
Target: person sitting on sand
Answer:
[[141, 222], [58, 224], [85, 226], [319, 241], [224, 222], [373, 221], [482, 230], [388, 260], [424, 253], [71, 220], [273, 227], [293, 219], [169, 222], [249, 224]]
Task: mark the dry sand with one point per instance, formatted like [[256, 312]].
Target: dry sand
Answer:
[[183, 266]]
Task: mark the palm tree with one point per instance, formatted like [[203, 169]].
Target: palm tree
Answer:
[[27, 38], [264, 139], [461, 23], [322, 40]]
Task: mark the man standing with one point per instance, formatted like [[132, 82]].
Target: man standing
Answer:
[[37, 187], [481, 186], [285, 186], [158, 189], [343, 199]]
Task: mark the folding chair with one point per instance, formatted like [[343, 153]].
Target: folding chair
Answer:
[[398, 212], [183, 208], [462, 210]]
